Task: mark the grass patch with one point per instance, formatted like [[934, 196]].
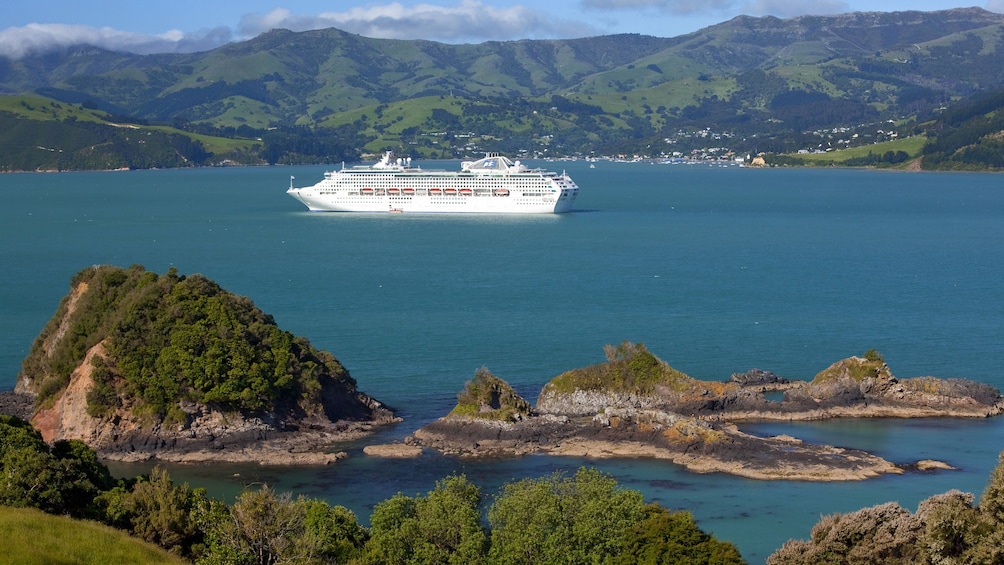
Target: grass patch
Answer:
[[912, 146], [32, 537], [630, 368], [32, 107], [857, 368]]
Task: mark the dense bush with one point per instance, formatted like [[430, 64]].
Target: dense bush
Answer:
[[946, 528], [63, 478], [171, 338], [630, 367]]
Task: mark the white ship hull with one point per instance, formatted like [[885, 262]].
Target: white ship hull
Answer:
[[492, 185]]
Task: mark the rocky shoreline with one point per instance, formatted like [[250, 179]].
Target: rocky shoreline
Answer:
[[243, 441], [698, 445], [695, 423], [632, 406]]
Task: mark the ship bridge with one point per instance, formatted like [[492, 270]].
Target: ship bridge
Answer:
[[493, 163]]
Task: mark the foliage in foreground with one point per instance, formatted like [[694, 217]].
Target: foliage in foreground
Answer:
[[946, 528], [585, 518], [63, 478]]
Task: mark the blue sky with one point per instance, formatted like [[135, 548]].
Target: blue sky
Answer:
[[189, 25]]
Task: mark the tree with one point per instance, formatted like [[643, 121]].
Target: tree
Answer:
[[442, 527], [261, 528], [63, 479], [333, 531], [266, 528], [157, 510], [559, 519], [992, 500], [664, 537]]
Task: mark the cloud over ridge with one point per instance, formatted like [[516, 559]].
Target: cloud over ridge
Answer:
[[469, 20], [33, 39], [466, 21]]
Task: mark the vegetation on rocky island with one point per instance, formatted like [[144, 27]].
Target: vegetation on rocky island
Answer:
[[585, 518], [630, 368], [871, 365], [489, 397], [169, 339]]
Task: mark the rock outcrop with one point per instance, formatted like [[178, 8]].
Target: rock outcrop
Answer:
[[637, 406], [297, 401]]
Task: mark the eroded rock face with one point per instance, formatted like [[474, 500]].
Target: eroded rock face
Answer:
[[757, 377], [589, 402], [206, 434]]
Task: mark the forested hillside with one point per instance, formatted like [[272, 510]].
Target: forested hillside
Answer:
[[170, 339], [745, 86]]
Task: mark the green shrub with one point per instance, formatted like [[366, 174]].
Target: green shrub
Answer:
[[630, 368], [487, 396]]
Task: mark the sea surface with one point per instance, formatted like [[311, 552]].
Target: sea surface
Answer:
[[716, 269]]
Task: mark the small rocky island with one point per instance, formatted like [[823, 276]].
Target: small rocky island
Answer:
[[636, 405], [139, 365]]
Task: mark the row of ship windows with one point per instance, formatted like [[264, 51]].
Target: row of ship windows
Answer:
[[435, 192], [512, 182], [433, 186]]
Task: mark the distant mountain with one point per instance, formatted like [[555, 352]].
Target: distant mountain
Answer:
[[770, 81]]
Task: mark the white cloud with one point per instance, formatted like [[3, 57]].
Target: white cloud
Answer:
[[17, 42], [466, 21], [791, 8], [727, 8], [678, 7], [469, 20]]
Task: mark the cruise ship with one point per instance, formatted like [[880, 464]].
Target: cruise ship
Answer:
[[491, 185]]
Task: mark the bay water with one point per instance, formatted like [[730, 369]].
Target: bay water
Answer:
[[716, 269]]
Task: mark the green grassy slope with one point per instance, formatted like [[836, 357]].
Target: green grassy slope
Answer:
[[32, 537]]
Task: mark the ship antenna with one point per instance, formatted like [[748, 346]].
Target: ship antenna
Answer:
[[291, 177]]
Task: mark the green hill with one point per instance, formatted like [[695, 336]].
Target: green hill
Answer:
[[749, 84]]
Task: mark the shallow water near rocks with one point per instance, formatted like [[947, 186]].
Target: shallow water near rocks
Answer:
[[716, 269]]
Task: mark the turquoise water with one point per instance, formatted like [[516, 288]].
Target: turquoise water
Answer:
[[716, 270]]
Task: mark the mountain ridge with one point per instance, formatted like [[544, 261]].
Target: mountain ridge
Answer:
[[767, 81]]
